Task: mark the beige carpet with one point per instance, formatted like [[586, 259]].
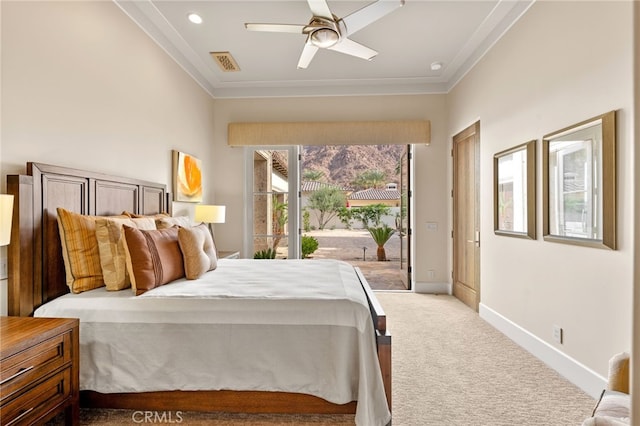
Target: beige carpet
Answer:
[[449, 368], [452, 368]]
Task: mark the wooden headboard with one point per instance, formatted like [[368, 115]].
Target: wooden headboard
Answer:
[[36, 267]]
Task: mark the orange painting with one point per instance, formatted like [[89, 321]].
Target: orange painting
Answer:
[[187, 177]]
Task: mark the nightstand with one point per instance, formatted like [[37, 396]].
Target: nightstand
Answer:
[[228, 254], [39, 376]]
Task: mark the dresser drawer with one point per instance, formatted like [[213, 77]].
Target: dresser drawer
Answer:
[[19, 370], [38, 400]]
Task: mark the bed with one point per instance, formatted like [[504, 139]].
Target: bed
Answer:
[[344, 324]]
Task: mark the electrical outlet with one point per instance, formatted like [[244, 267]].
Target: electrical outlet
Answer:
[[431, 274], [557, 333], [4, 268]]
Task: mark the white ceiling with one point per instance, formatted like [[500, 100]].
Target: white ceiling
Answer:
[[455, 32]]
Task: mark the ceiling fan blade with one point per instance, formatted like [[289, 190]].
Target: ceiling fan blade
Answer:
[[276, 28], [320, 8], [353, 48], [368, 14], [307, 55]]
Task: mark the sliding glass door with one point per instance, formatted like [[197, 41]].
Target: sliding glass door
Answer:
[[271, 200], [403, 221]]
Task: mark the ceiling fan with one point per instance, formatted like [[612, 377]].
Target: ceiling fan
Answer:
[[327, 31]]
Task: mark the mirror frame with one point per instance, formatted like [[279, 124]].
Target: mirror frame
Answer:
[[530, 151], [607, 169]]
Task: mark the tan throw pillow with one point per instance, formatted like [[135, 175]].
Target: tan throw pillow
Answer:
[[80, 250], [111, 249], [153, 257], [198, 251], [138, 216], [168, 222]]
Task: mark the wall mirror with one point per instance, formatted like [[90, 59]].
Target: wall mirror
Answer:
[[514, 175], [579, 183]]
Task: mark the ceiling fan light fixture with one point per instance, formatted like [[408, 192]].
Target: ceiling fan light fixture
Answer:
[[326, 31], [194, 18], [324, 37]]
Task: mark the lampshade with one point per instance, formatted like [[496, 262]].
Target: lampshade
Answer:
[[6, 213], [209, 214]]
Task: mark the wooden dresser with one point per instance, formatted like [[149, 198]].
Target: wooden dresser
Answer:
[[39, 370]]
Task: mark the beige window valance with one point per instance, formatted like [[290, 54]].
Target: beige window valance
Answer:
[[330, 133]]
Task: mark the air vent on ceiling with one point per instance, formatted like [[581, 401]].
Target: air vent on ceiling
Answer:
[[225, 61]]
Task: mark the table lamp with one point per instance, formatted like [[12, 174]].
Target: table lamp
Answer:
[[6, 214], [209, 214]]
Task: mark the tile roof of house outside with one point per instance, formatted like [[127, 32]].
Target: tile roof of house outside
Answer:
[[375, 194], [308, 186]]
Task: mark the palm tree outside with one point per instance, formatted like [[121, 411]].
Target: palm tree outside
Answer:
[[381, 235]]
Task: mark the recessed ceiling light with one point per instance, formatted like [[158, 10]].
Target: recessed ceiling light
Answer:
[[436, 66], [195, 18]]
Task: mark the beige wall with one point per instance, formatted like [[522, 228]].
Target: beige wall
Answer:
[[562, 63], [84, 87], [430, 170]]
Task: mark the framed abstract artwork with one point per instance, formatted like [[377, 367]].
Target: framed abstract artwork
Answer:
[[579, 183], [187, 178]]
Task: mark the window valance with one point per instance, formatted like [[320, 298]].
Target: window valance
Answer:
[[330, 133]]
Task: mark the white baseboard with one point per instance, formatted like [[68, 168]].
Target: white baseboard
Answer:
[[577, 373], [432, 288]]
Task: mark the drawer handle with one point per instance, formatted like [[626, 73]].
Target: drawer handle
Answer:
[[19, 373], [24, 413]]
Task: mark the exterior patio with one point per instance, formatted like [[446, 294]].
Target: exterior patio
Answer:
[[348, 245]]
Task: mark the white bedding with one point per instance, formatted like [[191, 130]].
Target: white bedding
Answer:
[[295, 326]]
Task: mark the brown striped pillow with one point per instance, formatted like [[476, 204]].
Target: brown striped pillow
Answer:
[[80, 250], [153, 257]]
